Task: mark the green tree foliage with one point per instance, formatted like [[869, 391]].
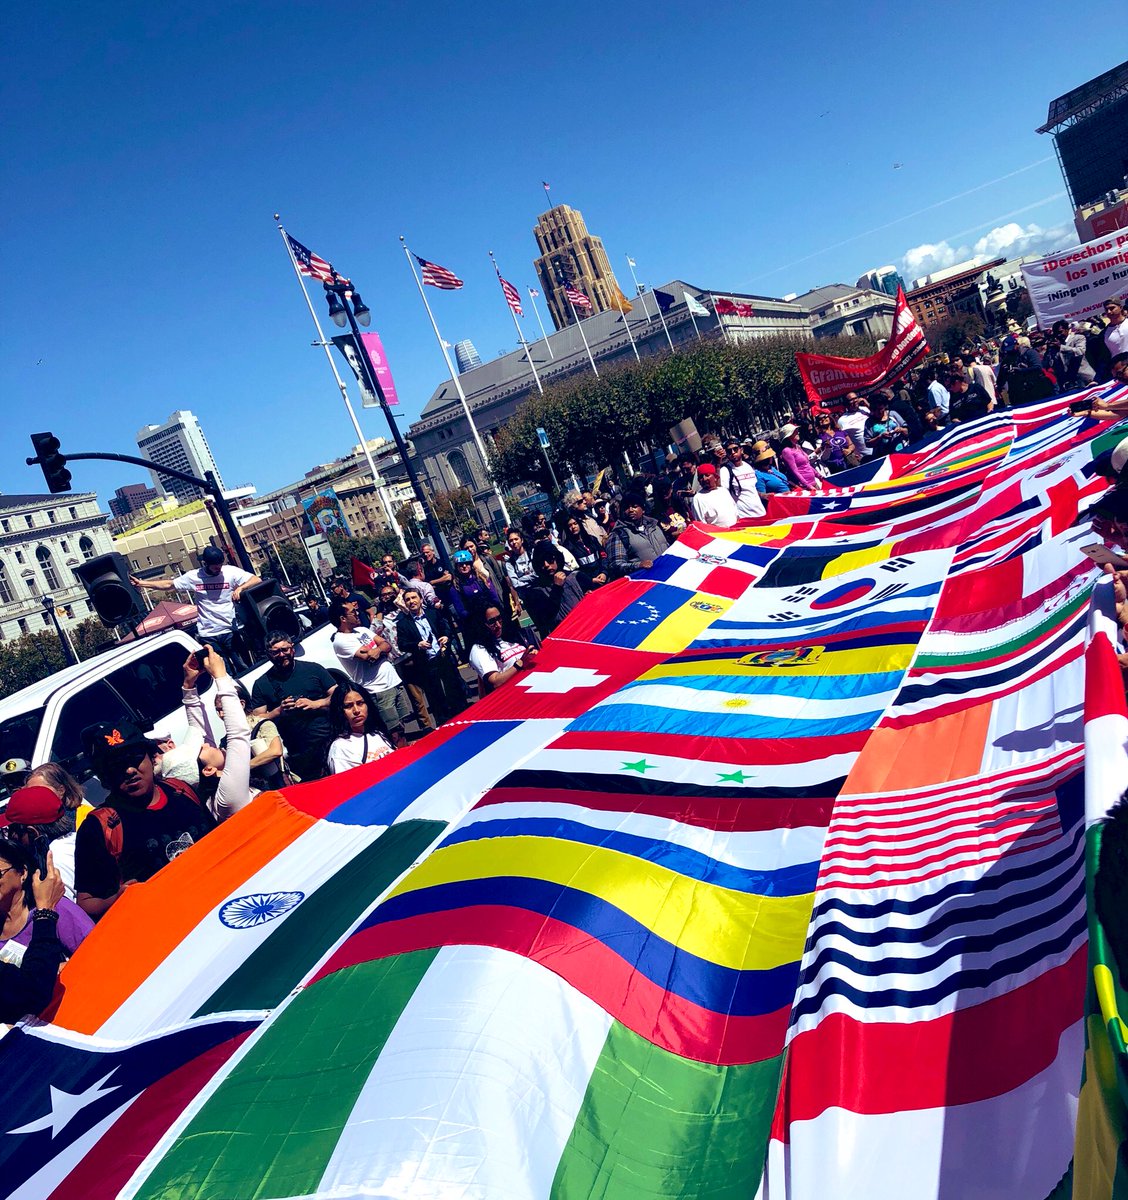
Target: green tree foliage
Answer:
[[35, 656], [955, 332], [720, 387], [455, 512], [298, 569]]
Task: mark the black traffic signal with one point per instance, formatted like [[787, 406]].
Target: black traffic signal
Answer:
[[106, 580], [265, 611], [53, 463]]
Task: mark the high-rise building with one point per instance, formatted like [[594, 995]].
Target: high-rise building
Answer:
[[131, 498], [180, 444], [466, 356], [882, 279], [1090, 128], [571, 255]]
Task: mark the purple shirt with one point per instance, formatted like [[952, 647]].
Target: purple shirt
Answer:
[[73, 926], [798, 466]]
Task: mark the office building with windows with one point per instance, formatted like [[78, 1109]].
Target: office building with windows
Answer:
[[882, 279], [180, 444], [131, 498], [466, 357], [571, 255], [42, 540]]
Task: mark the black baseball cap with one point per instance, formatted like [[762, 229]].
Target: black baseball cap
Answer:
[[212, 555]]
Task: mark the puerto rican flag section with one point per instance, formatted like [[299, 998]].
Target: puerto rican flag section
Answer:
[[769, 879]]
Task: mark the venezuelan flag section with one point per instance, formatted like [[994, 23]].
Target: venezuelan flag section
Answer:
[[769, 880]]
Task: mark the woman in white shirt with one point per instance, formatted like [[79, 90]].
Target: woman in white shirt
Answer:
[[355, 720]]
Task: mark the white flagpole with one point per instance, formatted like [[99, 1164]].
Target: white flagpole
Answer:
[[638, 290], [344, 390], [692, 318], [627, 323], [533, 302], [724, 331], [457, 384], [517, 326], [583, 335], [665, 327]]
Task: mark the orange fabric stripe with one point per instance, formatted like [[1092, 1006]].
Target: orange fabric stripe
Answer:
[[934, 751], [152, 918]]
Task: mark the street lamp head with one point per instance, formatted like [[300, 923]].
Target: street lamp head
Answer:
[[336, 308], [361, 310]]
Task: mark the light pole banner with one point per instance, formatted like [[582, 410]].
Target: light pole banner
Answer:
[[379, 363], [1072, 285]]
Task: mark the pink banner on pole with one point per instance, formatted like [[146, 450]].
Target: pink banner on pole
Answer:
[[379, 360]]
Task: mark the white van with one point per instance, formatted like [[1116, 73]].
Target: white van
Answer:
[[139, 681]]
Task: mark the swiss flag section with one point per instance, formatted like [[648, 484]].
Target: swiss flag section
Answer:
[[569, 678]]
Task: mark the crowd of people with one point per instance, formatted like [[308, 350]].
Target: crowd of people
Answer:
[[422, 639]]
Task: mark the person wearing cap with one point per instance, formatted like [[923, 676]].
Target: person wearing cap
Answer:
[[713, 505], [216, 588], [769, 477], [30, 958], [140, 826], [637, 539], [36, 811], [470, 595]]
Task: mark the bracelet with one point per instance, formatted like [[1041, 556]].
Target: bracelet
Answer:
[[44, 914]]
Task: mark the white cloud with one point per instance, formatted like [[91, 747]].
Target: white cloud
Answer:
[[1004, 241]]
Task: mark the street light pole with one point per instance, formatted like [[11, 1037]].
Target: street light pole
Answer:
[[68, 650], [338, 288]]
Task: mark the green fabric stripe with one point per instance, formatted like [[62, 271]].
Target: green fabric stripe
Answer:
[[1009, 647], [272, 972], [272, 1125], [653, 1124], [1107, 439]]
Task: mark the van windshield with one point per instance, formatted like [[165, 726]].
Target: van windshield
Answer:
[[17, 741]]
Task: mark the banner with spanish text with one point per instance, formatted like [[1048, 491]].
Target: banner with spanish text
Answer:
[[827, 377], [1071, 285]]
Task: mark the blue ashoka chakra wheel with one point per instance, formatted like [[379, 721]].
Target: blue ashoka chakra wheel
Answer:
[[245, 912]]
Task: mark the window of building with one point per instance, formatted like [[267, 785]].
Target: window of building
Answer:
[[29, 521], [52, 516], [5, 586], [86, 547], [47, 566], [65, 546], [74, 514], [22, 623], [19, 557], [5, 526]]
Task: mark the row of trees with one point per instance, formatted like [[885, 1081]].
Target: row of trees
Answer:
[[35, 656], [297, 565], [720, 387]]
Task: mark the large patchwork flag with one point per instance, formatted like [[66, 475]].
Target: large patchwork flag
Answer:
[[769, 878]]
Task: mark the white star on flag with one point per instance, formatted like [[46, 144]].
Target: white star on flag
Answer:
[[65, 1106], [561, 680]]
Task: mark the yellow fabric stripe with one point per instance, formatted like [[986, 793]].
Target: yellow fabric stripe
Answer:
[[727, 927], [685, 624], [933, 475], [755, 535], [1106, 996], [853, 559], [828, 662]]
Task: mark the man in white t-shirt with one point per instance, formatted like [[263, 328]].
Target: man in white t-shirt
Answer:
[[740, 479], [1116, 331], [853, 423], [216, 589], [365, 657], [712, 504]]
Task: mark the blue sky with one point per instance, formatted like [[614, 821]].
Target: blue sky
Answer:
[[738, 146]]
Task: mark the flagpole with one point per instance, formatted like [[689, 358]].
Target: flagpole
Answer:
[[380, 491], [724, 331], [627, 323], [583, 335], [692, 318], [638, 290], [457, 384], [533, 302], [517, 326]]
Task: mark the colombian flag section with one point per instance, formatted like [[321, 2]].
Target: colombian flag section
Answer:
[[811, 791]]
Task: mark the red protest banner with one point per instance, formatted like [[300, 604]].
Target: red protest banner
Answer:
[[827, 377]]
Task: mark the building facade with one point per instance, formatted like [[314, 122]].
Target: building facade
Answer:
[[569, 254], [466, 357], [42, 540], [838, 309], [937, 297], [1107, 215], [180, 444], [445, 452], [1090, 131], [883, 279], [131, 498]]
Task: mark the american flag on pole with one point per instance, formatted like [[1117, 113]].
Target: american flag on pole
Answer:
[[534, 293], [310, 263], [512, 296], [576, 296], [438, 276]]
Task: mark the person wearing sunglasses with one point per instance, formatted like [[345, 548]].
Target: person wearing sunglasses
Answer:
[[140, 826], [499, 650]]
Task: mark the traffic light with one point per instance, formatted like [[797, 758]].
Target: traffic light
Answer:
[[106, 580], [53, 463], [265, 611]]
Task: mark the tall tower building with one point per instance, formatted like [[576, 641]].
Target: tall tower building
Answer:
[[883, 279], [466, 356], [569, 254], [178, 443]]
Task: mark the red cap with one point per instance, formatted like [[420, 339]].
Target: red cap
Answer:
[[35, 805], [706, 469]]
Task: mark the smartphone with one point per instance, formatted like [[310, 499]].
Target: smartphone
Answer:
[[1080, 406], [1102, 555]]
